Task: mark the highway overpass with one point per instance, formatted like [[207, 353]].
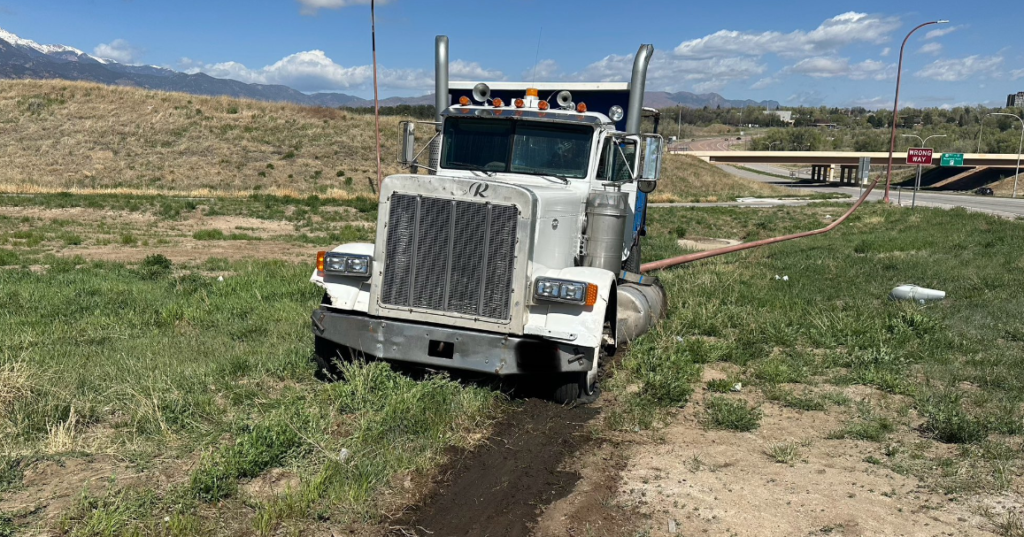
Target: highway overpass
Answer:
[[847, 158]]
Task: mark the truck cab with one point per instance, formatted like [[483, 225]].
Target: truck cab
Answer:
[[517, 254]]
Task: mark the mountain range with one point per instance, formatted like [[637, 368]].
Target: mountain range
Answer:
[[24, 58]]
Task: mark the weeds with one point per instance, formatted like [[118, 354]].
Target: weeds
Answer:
[[719, 385], [1010, 525], [948, 421], [783, 452], [218, 235], [732, 414], [872, 428]]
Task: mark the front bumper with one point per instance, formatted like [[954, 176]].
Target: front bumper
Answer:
[[445, 347]]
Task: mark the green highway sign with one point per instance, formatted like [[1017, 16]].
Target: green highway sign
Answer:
[[952, 159]]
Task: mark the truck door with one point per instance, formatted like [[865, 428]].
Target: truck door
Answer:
[[618, 164]]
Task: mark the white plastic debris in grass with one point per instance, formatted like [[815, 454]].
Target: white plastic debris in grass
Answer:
[[916, 293]]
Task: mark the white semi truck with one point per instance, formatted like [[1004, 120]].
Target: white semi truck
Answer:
[[518, 254]]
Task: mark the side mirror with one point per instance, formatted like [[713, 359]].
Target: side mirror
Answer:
[[654, 148], [408, 147]]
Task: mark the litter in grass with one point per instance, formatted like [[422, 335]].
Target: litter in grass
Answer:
[[738, 387], [916, 293]]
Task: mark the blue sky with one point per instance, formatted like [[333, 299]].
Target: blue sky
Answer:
[[797, 52]]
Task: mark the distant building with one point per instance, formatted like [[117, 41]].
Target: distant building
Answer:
[[1015, 100], [785, 115]]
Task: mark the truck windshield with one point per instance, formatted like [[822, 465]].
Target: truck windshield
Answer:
[[531, 147]]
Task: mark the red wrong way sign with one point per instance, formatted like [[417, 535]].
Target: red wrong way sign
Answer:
[[919, 156]]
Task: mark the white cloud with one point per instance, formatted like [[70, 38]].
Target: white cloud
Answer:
[[312, 7], [830, 36], [931, 48], [885, 52], [314, 71], [118, 50], [671, 73], [807, 98], [958, 69], [939, 32], [831, 67], [463, 70], [872, 103], [766, 82], [1017, 73], [545, 70]]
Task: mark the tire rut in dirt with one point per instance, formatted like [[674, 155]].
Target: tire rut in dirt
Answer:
[[498, 489]]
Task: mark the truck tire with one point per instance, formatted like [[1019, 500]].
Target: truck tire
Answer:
[[632, 263], [328, 356], [576, 388], [567, 388]]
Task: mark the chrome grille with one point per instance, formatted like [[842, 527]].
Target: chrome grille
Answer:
[[450, 256]]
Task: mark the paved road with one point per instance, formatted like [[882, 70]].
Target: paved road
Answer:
[[1005, 207]]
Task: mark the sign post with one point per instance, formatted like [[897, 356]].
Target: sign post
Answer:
[[921, 157]]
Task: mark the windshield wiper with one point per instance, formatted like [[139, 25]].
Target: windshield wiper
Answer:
[[473, 168], [564, 180]]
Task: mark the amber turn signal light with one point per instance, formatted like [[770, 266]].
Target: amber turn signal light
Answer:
[[320, 261]]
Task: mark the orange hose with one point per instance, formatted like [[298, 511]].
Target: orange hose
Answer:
[[689, 258]]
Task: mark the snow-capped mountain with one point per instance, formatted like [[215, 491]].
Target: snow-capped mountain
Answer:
[[24, 58], [57, 52]]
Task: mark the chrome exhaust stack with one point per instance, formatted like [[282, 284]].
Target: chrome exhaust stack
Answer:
[[637, 86], [440, 75]]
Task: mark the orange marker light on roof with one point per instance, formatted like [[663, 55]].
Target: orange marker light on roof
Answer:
[[581, 108], [531, 92], [520, 103], [498, 103], [464, 101], [543, 105]]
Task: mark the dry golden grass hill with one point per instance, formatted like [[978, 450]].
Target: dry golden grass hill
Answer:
[[82, 137], [60, 135]]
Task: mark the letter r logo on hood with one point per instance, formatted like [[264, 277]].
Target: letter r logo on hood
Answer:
[[479, 189]]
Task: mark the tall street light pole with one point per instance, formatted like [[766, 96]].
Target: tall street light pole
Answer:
[[917, 182], [896, 106], [1020, 146]]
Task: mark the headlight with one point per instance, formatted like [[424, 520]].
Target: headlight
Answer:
[[341, 264], [616, 113], [565, 291]]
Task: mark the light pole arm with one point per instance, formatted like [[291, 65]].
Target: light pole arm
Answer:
[[896, 106]]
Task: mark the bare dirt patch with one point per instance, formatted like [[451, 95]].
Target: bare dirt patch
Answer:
[[697, 481], [591, 509], [499, 489], [702, 243], [189, 251], [51, 487], [78, 214]]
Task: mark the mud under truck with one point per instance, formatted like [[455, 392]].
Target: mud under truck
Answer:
[[518, 253]]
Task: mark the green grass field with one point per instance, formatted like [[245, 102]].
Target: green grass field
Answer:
[[195, 397], [155, 368], [953, 370]]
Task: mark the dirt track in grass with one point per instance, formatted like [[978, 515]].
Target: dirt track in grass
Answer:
[[500, 489]]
